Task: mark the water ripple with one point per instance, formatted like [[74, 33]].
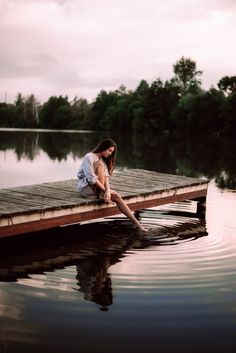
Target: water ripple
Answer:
[[180, 253]]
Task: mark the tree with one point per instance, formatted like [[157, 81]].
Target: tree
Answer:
[[19, 105], [227, 85], [186, 75], [201, 113], [8, 116], [142, 89], [30, 111], [137, 118], [161, 99], [27, 111], [81, 114], [56, 113], [230, 123], [137, 106], [103, 102]]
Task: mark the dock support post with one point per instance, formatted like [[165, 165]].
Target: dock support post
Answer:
[[137, 214], [201, 207]]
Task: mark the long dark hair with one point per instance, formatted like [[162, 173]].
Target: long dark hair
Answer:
[[110, 161]]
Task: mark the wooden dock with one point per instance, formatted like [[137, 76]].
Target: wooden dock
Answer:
[[35, 207]]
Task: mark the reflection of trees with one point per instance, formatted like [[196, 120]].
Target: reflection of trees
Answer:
[[210, 157], [25, 145], [194, 155], [191, 156], [56, 145], [60, 145]]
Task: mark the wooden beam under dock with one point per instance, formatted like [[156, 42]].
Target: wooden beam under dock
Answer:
[[36, 207]]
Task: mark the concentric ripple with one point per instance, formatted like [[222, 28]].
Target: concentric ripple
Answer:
[[176, 280], [186, 253], [179, 252]]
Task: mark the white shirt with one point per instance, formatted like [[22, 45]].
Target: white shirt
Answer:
[[86, 174]]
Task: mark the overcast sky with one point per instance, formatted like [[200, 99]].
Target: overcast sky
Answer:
[[79, 47]]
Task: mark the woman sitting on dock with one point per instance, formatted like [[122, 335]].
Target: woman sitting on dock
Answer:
[[93, 177]]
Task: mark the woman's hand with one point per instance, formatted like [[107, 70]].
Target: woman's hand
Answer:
[[107, 196]]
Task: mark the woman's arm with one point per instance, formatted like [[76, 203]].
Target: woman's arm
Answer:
[[100, 185], [88, 169]]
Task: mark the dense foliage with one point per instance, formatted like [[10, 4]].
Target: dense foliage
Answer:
[[178, 105]]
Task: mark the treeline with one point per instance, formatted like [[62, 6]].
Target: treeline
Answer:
[[178, 104]]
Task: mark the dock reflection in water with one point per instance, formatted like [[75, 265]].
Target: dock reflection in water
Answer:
[[92, 249], [104, 286]]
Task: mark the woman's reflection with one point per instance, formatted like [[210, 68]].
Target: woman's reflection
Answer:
[[95, 281]]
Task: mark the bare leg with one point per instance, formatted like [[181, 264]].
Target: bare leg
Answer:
[[115, 197], [101, 177], [125, 209], [100, 173]]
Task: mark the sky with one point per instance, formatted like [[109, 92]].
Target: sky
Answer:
[[80, 47]]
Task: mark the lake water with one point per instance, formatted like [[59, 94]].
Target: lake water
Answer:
[[105, 287]]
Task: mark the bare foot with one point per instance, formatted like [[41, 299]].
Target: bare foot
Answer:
[[142, 228]]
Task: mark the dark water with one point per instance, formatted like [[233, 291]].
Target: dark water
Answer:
[[105, 287]]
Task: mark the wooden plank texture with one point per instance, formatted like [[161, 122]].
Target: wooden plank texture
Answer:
[[35, 207]]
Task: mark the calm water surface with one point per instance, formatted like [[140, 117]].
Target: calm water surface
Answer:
[[105, 287]]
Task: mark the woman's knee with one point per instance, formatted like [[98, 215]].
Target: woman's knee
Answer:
[[99, 166], [115, 197], [100, 171]]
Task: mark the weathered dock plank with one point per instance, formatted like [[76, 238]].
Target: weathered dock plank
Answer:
[[28, 198], [48, 205]]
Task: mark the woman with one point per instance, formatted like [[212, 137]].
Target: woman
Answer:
[[93, 177]]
